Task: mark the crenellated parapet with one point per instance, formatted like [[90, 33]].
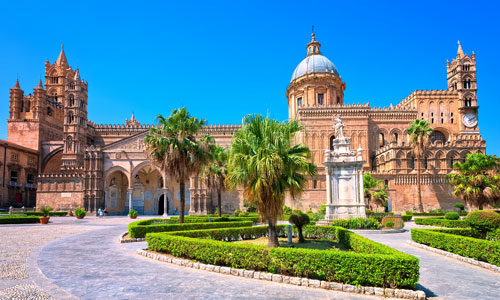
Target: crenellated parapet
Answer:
[[357, 110]]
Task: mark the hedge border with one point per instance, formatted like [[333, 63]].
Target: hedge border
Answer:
[[471, 261], [139, 229], [459, 241], [298, 281], [442, 222], [371, 263], [19, 219]]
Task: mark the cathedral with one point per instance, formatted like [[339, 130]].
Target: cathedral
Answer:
[[69, 161]]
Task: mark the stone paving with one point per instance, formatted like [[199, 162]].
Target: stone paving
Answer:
[[443, 277], [71, 259]]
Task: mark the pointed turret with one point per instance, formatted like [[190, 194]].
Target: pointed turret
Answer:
[[460, 52], [61, 60], [40, 84], [17, 86]]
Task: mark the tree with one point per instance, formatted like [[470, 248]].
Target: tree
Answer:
[[419, 133], [477, 180], [215, 173], [299, 219], [263, 160], [172, 146], [375, 191]]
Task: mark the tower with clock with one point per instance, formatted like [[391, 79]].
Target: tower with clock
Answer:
[[462, 78]]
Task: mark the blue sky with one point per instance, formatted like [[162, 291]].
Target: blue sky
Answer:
[[224, 60]]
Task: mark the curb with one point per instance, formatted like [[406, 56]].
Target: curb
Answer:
[[122, 240], [378, 231], [314, 283], [471, 261]]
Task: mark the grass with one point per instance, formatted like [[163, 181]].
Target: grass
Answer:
[[319, 244]]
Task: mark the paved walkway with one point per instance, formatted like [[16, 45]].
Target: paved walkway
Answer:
[[72, 259], [444, 277]]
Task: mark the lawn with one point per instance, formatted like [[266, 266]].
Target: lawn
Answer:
[[318, 244]]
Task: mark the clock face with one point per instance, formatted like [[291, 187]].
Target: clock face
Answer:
[[470, 120]]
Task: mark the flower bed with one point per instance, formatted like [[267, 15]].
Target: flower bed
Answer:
[[441, 222], [367, 263], [19, 219], [140, 228], [459, 241], [200, 219]]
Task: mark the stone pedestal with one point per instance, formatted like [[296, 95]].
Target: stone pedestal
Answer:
[[344, 181]]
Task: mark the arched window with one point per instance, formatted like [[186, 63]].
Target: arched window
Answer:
[[315, 184], [468, 102], [28, 104], [331, 142], [450, 163], [425, 163], [299, 102], [71, 100], [71, 86], [71, 118], [412, 163], [437, 136], [396, 137], [49, 111], [381, 139], [69, 143]]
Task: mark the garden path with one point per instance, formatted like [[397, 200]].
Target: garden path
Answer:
[[443, 277]]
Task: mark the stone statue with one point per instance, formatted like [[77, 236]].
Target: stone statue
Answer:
[[338, 127]]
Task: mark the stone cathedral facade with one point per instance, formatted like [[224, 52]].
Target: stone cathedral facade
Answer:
[[81, 163]]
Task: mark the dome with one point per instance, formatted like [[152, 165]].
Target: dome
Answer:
[[315, 63]]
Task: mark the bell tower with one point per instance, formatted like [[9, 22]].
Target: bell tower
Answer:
[[461, 76], [75, 121]]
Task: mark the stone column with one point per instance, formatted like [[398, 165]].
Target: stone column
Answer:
[[130, 199], [328, 186], [165, 202]]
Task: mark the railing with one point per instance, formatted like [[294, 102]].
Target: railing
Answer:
[[14, 183], [31, 186]]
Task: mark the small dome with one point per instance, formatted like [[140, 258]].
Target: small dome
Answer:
[[315, 63]]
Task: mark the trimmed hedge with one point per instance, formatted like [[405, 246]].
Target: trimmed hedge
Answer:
[[357, 223], [140, 228], [378, 215], [200, 219], [441, 222], [453, 240], [435, 214], [51, 214], [16, 219], [406, 218], [369, 263]]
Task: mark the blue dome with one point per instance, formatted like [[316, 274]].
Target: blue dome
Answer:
[[315, 63]]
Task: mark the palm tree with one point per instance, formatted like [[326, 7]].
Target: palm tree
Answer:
[[215, 173], [477, 180], [172, 146], [375, 191], [264, 161], [419, 133]]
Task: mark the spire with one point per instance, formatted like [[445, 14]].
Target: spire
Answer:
[[40, 85], [61, 60], [460, 52], [17, 86], [132, 118]]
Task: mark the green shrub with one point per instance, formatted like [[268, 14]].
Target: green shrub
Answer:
[[369, 263], [287, 210], [19, 219], [140, 228], [357, 223], [441, 222], [483, 221], [493, 235], [409, 213], [389, 224], [52, 213], [45, 210], [201, 219], [132, 213], [299, 219], [459, 205], [80, 212], [479, 249], [406, 218], [378, 215], [451, 216]]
